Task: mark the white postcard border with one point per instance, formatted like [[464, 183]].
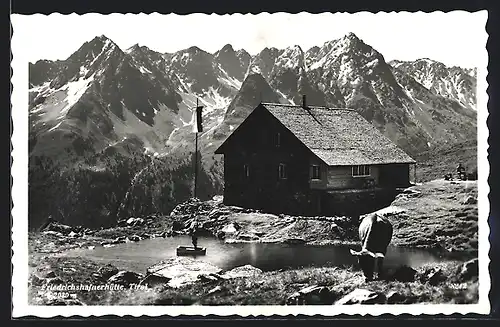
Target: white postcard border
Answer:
[[19, 171]]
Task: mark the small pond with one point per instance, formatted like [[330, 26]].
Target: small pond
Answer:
[[140, 255]]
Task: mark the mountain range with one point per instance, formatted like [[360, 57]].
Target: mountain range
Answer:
[[111, 130]]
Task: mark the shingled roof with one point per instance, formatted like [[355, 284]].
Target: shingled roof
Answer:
[[339, 137]]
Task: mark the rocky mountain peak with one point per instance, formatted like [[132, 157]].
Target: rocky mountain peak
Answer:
[[351, 36], [195, 50], [93, 49], [233, 64], [263, 62], [295, 48], [226, 53], [454, 83], [139, 106], [291, 57], [102, 37], [133, 48], [243, 52], [228, 48]]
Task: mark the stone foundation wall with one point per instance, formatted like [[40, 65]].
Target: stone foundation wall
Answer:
[[315, 202], [358, 203]]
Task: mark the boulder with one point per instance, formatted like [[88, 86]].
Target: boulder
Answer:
[[189, 207], [208, 278], [53, 233], [37, 281], [470, 200], [121, 223], [62, 240], [105, 272], [107, 245], [230, 228], [394, 297], [411, 193], [237, 209], [403, 274], [49, 274], [135, 238], [472, 176], [248, 237], [469, 270], [217, 199], [310, 295], [120, 239], [135, 221], [73, 234], [216, 289], [182, 270], [58, 227], [362, 296], [54, 281], [433, 276], [125, 278], [217, 213], [153, 280], [242, 271], [220, 235], [152, 217]]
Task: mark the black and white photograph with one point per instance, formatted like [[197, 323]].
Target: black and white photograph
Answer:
[[272, 163]]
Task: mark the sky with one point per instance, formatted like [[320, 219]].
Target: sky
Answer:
[[456, 38]]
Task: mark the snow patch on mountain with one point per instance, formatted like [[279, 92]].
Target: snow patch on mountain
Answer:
[[291, 58], [454, 83], [56, 126], [228, 80], [74, 91], [107, 48], [144, 70], [253, 70]]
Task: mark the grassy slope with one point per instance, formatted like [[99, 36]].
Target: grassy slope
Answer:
[[437, 218], [444, 159]]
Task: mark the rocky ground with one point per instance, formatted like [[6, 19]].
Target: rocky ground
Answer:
[[439, 215], [450, 282]]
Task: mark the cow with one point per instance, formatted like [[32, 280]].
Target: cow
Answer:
[[375, 233]]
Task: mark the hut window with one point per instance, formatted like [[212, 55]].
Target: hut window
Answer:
[[282, 171], [246, 170], [315, 173], [360, 170], [278, 140]]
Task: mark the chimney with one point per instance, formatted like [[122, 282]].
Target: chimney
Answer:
[[304, 104]]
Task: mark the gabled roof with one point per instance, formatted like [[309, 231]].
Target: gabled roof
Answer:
[[339, 137]]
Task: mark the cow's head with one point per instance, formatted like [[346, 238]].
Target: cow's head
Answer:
[[366, 260]]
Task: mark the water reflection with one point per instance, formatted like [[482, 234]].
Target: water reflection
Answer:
[[138, 256]]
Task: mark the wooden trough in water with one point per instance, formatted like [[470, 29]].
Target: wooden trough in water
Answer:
[[190, 250]]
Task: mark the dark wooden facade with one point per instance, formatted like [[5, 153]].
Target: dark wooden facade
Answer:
[[253, 177], [252, 166]]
